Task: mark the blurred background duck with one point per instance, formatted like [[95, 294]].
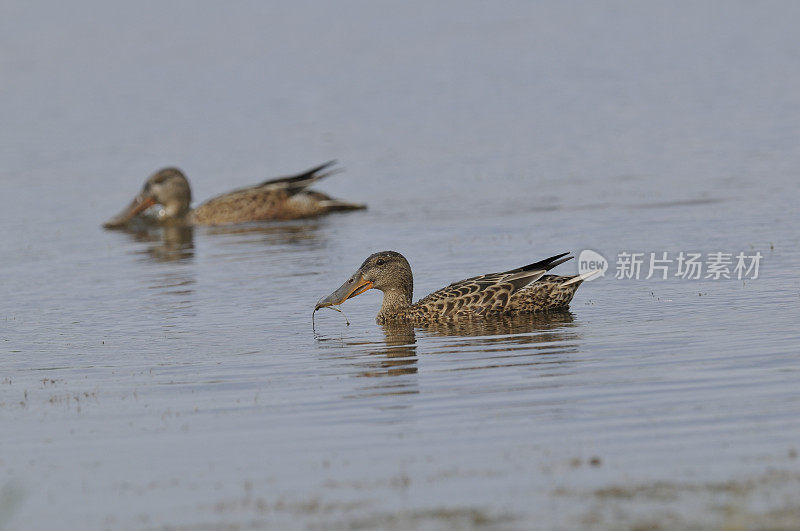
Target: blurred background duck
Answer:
[[278, 199], [527, 289]]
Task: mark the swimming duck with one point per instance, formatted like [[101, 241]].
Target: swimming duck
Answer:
[[526, 289], [279, 199]]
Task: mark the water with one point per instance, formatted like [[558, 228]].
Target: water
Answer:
[[154, 380]]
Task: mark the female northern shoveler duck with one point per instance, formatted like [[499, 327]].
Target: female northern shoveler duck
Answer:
[[278, 199], [523, 290]]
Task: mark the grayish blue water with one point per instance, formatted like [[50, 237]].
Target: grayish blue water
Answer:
[[159, 380]]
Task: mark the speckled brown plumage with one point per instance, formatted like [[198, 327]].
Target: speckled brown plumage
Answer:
[[278, 199], [490, 296], [523, 290]]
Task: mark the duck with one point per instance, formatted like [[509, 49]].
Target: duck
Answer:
[[284, 198], [524, 290]]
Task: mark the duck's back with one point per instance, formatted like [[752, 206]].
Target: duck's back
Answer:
[[278, 199], [248, 204], [476, 295], [522, 290]]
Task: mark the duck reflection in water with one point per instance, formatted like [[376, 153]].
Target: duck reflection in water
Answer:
[[302, 232], [552, 332], [520, 338], [528, 329], [543, 340], [165, 243], [175, 242], [400, 353]]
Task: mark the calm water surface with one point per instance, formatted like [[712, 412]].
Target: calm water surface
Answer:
[[163, 379]]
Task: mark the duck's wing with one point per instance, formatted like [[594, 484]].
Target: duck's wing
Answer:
[[269, 200], [551, 292], [295, 183], [290, 184], [485, 293]]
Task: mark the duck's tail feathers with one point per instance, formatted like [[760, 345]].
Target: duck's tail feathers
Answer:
[[548, 263], [577, 279], [303, 180], [525, 275]]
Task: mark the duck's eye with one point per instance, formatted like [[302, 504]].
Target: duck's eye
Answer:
[[380, 261]]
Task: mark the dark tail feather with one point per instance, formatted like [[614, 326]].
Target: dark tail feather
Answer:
[[548, 263], [312, 172], [305, 179]]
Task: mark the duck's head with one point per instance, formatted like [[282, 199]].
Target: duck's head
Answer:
[[387, 271], [167, 187]]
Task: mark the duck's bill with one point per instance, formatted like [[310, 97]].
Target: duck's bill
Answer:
[[139, 204], [354, 286]]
